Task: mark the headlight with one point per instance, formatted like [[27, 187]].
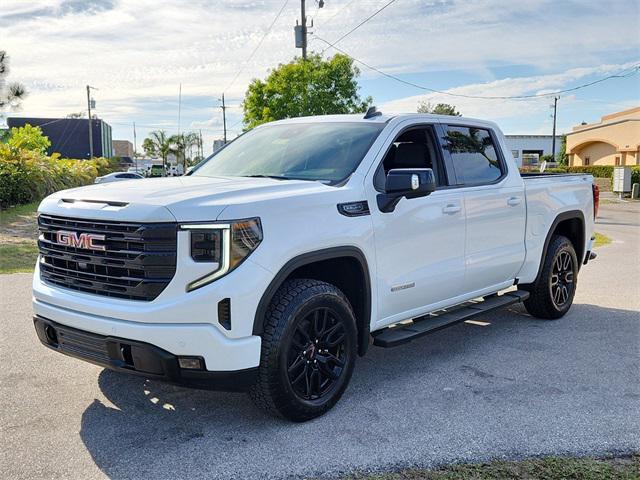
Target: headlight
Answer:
[[226, 244]]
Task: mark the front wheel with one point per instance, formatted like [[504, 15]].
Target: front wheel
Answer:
[[308, 350], [551, 295]]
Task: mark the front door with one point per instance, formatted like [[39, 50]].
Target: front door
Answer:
[[420, 245]]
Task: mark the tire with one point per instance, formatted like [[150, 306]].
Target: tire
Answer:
[[552, 293], [309, 349]]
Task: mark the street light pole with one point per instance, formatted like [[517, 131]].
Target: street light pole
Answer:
[[90, 126], [135, 146]]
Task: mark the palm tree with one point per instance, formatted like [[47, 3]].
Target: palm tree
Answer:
[[158, 144], [182, 142], [458, 142], [11, 94]]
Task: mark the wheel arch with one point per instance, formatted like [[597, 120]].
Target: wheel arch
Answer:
[[352, 277], [571, 224]]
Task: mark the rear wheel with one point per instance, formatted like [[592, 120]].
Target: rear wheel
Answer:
[[551, 295], [308, 350]]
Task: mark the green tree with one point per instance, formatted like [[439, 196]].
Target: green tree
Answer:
[[158, 144], [299, 88], [439, 109], [562, 155], [11, 93], [28, 138]]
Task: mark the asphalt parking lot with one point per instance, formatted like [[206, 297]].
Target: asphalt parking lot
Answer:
[[517, 387]]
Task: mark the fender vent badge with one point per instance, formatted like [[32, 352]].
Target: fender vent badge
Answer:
[[354, 209]]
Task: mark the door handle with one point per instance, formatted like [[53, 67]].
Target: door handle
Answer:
[[451, 208], [514, 201]]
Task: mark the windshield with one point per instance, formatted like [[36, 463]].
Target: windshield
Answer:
[[327, 152]]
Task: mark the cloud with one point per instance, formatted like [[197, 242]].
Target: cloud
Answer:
[[519, 86], [134, 51]]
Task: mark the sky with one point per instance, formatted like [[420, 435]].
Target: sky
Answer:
[[136, 53]]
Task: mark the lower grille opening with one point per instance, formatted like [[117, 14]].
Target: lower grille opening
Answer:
[[125, 351]]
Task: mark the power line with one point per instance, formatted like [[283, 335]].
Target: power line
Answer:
[[52, 121], [361, 23], [630, 72], [244, 64], [339, 11]]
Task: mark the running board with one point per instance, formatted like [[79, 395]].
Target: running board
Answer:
[[404, 333]]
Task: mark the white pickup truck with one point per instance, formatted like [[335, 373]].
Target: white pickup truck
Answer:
[[277, 261]]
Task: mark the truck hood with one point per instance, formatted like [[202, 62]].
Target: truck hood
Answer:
[[172, 199]]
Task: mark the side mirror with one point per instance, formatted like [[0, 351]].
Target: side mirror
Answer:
[[408, 183]]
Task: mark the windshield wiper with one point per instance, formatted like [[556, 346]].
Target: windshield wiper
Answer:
[[275, 177]]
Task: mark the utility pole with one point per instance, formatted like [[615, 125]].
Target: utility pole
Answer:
[[90, 126], [224, 118], [303, 22], [553, 141], [300, 29], [201, 147]]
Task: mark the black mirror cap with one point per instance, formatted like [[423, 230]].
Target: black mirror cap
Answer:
[[405, 182], [410, 182]]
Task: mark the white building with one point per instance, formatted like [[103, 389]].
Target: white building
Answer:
[[531, 147]]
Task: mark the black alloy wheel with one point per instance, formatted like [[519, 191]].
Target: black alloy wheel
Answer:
[[561, 279], [309, 350], [316, 357], [551, 295]]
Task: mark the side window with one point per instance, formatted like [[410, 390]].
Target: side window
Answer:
[[473, 154], [413, 148]]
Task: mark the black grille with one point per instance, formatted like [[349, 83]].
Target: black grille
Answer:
[[83, 344], [138, 262]]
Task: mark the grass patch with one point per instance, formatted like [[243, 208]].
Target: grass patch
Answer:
[[12, 214], [601, 240], [18, 257], [552, 468]]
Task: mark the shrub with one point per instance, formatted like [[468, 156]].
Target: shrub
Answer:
[[28, 175], [28, 138], [606, 171], [598, 171]]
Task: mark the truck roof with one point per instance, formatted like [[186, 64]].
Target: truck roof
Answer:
[[384, 118]]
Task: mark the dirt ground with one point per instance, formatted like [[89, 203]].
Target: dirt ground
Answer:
[[19, 229]]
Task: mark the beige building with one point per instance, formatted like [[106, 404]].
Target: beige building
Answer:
[[615, 140], [123, 148]]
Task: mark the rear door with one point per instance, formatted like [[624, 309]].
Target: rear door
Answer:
[[494, 206]]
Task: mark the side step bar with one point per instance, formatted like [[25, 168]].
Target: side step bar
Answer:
[[404, 333]]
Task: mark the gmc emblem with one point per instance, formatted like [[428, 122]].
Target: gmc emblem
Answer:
[[83, 240]]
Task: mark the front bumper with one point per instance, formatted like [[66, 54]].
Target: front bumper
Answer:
[[139, 358], [205, 340]]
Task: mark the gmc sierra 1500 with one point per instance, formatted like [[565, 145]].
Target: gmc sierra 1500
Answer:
[[277, 261]]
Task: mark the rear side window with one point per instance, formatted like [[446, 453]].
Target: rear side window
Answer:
[[473, 154]]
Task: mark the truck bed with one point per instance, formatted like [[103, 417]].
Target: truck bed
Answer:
[[550, 195]]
